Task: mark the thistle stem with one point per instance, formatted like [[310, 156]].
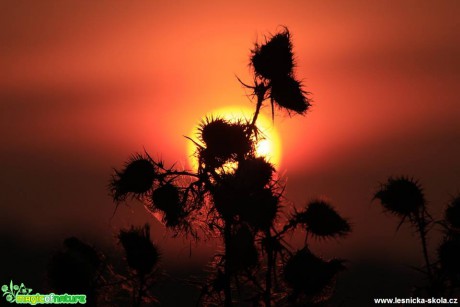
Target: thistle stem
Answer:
[[268, 274], [421, 227], [227, 288], [259, 90], [140, 293]]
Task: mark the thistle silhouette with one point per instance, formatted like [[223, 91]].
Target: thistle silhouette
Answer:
[[135, 179], [142, 257], [273, 64], [404, 197], [238, 196], [449, 249], [321, 220], [77, 269], [308, 274]]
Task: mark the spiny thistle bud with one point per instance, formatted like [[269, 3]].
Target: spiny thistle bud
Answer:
[[401, 196], [259, 209], [321, 220], [274, 59], [209, 129], [223, 140], [452, 214], [141, 254], [253, 203], [288, 94], [308, 274], [254, 173], [166, 198], [137, 178]]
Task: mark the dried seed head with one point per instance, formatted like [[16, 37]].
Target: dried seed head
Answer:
[[166, 198], [253, 203], [401, 196], [136, 178], [260, 208], [306, 273], [223, 140], [254, 173], [274, 59], [321, 220], [210, 129], [288, 94], [141, 254]]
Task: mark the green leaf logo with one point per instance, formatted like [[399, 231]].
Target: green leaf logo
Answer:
[[13, 290]]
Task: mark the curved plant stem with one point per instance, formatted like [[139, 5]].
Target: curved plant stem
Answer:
[[259, 90]]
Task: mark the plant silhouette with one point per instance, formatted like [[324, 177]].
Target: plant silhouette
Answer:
[[142, 258], [77, 269], [404, 197], [141, 253], [237, 196]]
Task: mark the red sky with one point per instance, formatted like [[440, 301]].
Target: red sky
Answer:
[[85, 84]]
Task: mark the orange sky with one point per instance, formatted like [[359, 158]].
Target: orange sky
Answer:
[[85, 84]]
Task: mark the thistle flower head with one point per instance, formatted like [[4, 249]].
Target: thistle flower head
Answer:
[[308, 274], [274, 58], [223, 141], [288, 94], [260, 208], [136, 178], [167, 199], [274, 63], [401, 196], [209, 130], [321, 220], [141, 254], [254, 172], [246, 198]]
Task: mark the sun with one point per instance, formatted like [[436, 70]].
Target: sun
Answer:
[[269, 146]]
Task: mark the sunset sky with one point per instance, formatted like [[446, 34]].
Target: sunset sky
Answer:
[[83, 85]]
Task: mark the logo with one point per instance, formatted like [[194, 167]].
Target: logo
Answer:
[[22, 295]]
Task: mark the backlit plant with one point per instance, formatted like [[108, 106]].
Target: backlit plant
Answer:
[[237, 196], [404, 197]]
